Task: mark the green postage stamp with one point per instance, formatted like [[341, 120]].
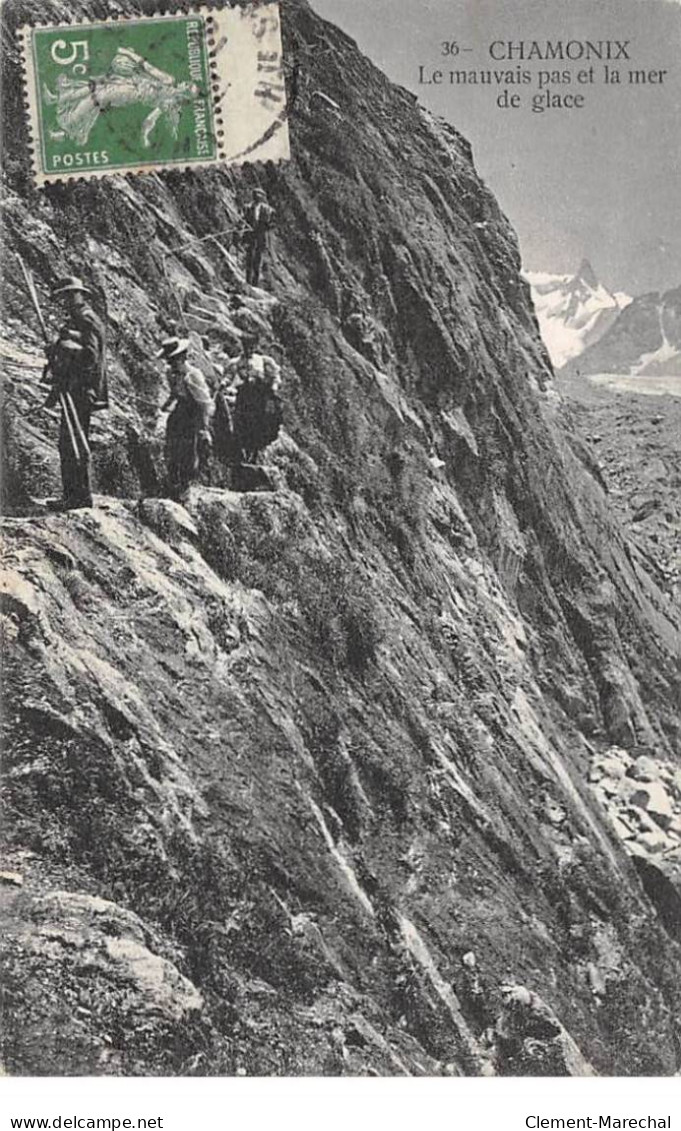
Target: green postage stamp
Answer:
[[140, 94]]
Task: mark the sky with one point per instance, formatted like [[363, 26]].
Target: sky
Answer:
[[601, 182]]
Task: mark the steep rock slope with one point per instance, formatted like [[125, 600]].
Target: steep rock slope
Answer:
[[297, 779], [634, 435]]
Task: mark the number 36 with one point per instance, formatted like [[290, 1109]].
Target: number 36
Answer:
[[63, 60]]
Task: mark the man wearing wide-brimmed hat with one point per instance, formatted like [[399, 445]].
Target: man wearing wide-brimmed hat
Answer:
[[77, 368], [188, 437]]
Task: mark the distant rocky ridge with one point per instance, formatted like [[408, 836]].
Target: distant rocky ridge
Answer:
[[644, 340], [297, 779], [574, 311]]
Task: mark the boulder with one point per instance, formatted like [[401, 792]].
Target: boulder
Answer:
[[555, 814], [654, 842], [12, 879], [596, 980], [619, 755], [644, 769], [99, 995], [612, 766], [610, 786], [622, 828], [168, 519], [530, 1040]]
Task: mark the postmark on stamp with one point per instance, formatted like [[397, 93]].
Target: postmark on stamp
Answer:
[[139, 94]]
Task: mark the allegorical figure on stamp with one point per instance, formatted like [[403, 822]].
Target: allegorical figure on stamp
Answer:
[[76, 366], [129, 81]]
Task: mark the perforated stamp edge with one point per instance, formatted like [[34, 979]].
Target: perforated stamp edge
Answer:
[[247, 129]]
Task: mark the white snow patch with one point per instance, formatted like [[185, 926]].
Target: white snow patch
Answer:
[[657, 360], [623, 300]]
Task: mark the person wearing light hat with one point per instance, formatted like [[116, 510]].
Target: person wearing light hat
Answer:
[[77, 368], [188, 436]]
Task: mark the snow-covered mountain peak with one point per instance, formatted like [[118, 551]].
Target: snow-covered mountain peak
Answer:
[[574, 311]]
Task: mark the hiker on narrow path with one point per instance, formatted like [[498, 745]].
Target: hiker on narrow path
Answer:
[[258, 221], [76, 366]]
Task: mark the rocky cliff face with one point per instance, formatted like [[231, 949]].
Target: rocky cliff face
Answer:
[[634, 435], [297, 780]]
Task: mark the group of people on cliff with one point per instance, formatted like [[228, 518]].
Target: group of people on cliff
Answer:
[[232, 423]]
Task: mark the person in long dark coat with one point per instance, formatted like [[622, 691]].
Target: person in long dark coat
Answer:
[[77, 368], [257, 414]]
